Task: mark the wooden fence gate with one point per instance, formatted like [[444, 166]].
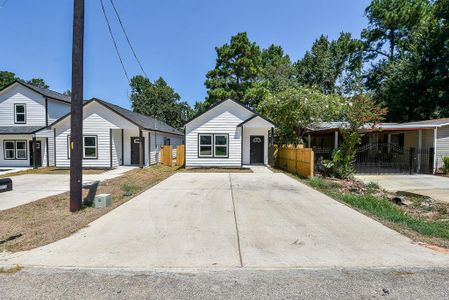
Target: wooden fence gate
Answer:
[[166, 155], [180, 155], [298, 160]]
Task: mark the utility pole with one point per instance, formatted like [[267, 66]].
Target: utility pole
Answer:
[[76, 112]]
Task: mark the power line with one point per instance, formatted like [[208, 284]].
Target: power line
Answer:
[[113, 40], [127, 38]]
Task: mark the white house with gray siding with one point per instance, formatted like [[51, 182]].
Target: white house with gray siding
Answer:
[[34, 118], [228, 134]]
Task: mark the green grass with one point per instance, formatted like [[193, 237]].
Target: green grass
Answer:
[[382, 209]]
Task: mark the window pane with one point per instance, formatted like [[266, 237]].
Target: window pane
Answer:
[[206, 150], [21, 145], [20, 118], [9, 145], [9, 154], [90, 152], [21, 154], [221, 140], [20, 108], [221, 151], [205, 140], [89, 141]]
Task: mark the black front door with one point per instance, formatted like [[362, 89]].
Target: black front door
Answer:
[[135, 149], [38, 153], [256, 149]]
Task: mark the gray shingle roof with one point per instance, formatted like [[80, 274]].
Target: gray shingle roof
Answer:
[[46, 92], [436, 122], [143, 121], [19, 129]]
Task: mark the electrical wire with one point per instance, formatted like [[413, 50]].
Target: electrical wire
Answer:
[[113, 40], [127, 38]]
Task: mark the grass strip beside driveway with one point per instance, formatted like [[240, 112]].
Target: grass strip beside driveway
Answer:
[[429, 225], [47, 220]]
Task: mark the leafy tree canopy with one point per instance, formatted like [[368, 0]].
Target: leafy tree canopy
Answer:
[[237, 73], [159, 100], [7, 77], [294, 109], [333, 66]]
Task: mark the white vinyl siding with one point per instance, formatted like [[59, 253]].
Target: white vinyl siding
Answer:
[[21, 162], [56, 110], [18, 94], [97, 122], [247, 133], [442, 145], [222, 119]]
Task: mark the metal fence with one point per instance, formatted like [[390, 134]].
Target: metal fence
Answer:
[[384, 158]]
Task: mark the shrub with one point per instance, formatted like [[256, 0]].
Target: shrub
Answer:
[[446, 164]]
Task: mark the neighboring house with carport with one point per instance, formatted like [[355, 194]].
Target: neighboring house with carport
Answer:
[[228, 134], [35, 128], [114, 136], [416, 147]]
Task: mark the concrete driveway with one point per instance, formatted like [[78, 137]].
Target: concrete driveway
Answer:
[[251, 220], [433, 186], [32, 187]]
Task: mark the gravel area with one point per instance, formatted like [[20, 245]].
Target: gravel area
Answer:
[[227, 284]]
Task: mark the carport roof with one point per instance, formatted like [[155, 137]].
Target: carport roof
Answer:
[[20, 129]]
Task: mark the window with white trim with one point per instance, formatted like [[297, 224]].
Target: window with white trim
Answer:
[[205, 145], [15, 150], [20, 113], [221, 145], [90, 146]]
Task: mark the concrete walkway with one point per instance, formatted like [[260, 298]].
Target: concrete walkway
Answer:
[[220, 220], [32, 187], [433, 186]]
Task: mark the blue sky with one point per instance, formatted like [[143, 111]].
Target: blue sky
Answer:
[[174, 39]]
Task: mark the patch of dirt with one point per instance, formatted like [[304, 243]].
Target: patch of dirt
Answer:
[[47, 220], [9, 271]]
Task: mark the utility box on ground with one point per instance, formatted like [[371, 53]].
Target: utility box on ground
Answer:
[[5, 185], [102, 200]]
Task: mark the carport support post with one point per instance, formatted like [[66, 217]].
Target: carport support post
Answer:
[[140, 149], [336, 139], [435, 136], [34, 153], [419, 150], [309, 140]]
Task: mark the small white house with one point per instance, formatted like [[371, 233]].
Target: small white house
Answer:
[[114, 136], [228, 134]]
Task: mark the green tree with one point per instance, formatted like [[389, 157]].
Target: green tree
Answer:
[[415, 85], [360, 111], [277, 68], [295, 109], [38, 82], [333, 66], [6, 78], [237, 73], [159, 100], [390, 23]]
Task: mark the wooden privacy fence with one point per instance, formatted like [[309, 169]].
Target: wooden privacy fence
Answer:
[[180, 155], [294, 160], [166, 155]]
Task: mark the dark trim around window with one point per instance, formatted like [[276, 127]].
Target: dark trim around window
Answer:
[[213, 145], [24, 113], [15, 149]]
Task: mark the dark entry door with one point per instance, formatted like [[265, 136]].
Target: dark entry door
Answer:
[[135, 149], [256, 149], [38, 153]]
